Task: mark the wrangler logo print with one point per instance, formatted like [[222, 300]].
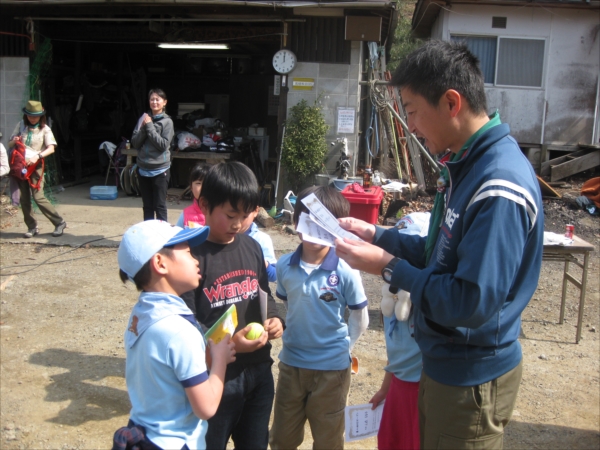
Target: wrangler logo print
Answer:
[[224, 294]]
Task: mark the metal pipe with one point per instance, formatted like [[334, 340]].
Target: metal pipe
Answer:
[[137, 19], [266, 4]]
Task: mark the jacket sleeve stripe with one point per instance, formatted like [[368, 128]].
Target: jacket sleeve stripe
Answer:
[[510, 196], [507, 184]]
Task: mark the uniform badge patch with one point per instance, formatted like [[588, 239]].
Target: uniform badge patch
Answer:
[[328, 297], [333, 280]]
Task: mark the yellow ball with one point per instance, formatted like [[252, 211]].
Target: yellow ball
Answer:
[[255, 332]]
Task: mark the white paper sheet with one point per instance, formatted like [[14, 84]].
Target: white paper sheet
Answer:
[[262, 297], [362, 422], [313, 232], [325, 219]]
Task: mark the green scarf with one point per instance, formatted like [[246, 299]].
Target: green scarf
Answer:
[[30, 129], [437, 213]]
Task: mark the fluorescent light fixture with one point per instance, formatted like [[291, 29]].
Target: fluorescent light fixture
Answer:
[[191, 45]]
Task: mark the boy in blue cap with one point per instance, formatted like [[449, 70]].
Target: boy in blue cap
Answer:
[[171, 391]]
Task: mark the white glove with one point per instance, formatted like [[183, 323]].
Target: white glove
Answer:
[[402, 308]]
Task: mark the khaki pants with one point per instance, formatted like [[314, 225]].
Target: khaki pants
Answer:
[[45, 206], [472, 417], [317, 395]]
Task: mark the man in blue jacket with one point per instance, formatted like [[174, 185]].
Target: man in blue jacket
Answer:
[[477, 269]]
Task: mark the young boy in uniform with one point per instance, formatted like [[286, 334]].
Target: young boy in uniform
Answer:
[[234, 273], [314, 368], [171, 392]]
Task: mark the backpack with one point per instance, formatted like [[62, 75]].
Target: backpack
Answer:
[[19, 168]]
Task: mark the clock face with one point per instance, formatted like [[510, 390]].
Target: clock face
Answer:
[[284, 61]]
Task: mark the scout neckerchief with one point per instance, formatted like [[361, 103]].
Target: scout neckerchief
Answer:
[[30, 129], [443, 181]]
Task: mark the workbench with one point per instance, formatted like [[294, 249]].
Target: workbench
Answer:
[[209, 157], [567, 254]]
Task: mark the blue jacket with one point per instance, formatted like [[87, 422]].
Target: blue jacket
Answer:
[[484, 268]]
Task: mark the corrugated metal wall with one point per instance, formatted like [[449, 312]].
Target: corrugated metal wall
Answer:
[[11, 45], [320, 39]]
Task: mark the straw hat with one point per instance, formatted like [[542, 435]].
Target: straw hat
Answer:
[[34, 108]]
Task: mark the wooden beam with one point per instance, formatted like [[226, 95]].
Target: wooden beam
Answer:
[[545, 169], [574, 166]]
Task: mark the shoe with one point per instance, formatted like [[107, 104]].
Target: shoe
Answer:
[[31, 232], [58, 231]]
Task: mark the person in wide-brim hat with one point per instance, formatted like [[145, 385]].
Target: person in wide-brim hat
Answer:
[[34, 108], [37, 137]]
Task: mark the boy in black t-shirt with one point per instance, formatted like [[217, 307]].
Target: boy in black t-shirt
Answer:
[[234, 272]]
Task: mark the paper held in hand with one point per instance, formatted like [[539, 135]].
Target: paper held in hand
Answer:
[[362, 422], [225, 325], [320, 226]]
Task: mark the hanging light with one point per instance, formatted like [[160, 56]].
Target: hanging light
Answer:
[[191, 45]]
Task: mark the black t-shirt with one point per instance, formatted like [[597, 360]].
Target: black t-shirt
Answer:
[[232, 274]]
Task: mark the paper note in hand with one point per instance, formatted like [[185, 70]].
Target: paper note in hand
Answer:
[[321, 215], [313, 232], [362, 421], [225, 325]]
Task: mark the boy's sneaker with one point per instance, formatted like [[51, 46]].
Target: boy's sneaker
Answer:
[[31, 232], [58, 231]]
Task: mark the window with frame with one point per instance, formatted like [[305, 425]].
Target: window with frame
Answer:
[[508, 61]]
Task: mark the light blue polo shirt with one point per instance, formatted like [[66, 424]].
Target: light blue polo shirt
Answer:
[[316, 335], [165, 354], [404, 355]]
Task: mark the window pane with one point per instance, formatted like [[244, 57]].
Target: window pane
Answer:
[[520, 62], [485, 49]]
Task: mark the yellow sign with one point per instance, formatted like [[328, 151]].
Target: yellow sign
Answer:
[[303, 84]]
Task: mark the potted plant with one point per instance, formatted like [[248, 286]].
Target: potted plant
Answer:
[[304, 146]]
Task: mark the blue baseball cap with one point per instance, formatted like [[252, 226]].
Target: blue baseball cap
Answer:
[[143, 240]]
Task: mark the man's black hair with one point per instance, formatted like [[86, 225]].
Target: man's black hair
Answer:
[[437, 66], [231, 182], [331, 198], [144, 275]]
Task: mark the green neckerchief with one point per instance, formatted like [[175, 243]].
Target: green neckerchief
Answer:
[[437, 212], [30, 129]]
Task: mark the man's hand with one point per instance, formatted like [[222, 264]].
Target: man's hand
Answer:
[[273, 327], [362, 255], [243, 345], [362, 229]]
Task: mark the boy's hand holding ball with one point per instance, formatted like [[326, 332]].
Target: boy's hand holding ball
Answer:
[[256, 330], [243, 344]]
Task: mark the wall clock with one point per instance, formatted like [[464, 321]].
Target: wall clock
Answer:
[[284, 61]]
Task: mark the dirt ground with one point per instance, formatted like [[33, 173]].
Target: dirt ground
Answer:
[[63, 312]]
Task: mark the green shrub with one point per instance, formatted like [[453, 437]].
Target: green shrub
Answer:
[[304, 145]]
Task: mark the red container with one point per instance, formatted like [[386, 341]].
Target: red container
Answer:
[[364, 205]]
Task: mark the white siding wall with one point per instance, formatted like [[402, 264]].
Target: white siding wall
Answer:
[[571, 68]]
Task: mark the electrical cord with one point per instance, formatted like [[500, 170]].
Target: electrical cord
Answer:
[[56, 256]]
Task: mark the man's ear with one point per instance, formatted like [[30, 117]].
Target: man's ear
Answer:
[[452, 101], [157, 264]]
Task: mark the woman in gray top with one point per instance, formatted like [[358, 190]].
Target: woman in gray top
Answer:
[[152, 138]]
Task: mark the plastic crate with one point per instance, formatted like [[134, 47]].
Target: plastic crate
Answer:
[[103, 192], [364, 205]]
